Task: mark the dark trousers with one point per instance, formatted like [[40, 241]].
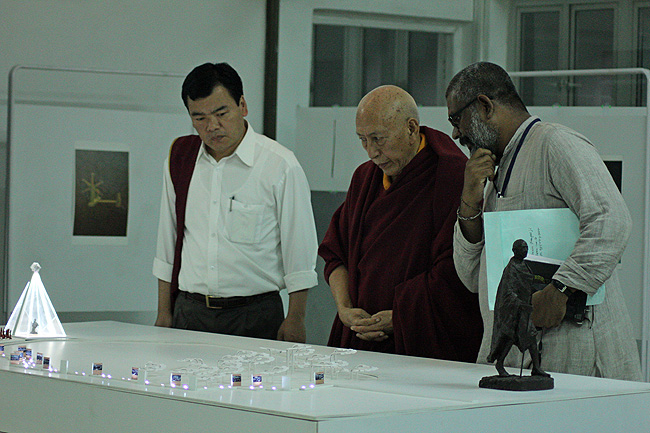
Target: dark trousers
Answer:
[[260, 319]]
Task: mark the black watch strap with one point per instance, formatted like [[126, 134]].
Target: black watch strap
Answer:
[[561, 287]]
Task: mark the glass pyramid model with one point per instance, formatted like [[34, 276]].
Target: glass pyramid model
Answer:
[[34, 316]]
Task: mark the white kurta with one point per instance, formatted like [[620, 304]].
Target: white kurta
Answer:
[[558, 168]]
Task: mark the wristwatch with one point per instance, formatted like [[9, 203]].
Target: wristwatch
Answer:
[[563, 288]]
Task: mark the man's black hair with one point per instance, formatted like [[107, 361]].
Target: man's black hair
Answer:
[[203, 79], [484, 78]]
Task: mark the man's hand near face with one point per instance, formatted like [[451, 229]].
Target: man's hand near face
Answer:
[[478, 170]]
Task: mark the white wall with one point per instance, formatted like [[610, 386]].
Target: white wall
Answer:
[[146, 35]]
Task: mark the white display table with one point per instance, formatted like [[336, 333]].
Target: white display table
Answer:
[[407, 394]]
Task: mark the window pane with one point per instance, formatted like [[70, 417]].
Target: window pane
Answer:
[[349, 61], [378, 58], [643, 59], [540, 52], [644, 37], [594, 49], [327, 87], [423, 65]]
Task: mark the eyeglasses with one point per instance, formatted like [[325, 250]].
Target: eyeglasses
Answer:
[[454, 118]]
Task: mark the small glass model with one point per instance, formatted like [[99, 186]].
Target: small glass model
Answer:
[[34, 316]]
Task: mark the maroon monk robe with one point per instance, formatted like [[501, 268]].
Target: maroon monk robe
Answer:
[[397, 247]]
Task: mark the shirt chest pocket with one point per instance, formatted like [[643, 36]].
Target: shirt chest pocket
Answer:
[[510, 202], [244, 222]]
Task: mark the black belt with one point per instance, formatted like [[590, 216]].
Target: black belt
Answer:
[[218, 303]]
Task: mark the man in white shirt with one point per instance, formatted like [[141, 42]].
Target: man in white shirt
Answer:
[[236, 213]]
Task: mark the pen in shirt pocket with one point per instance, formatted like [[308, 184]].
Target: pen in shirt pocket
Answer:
[[231, 200]]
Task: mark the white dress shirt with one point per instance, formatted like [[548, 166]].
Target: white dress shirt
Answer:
[[249, 225]]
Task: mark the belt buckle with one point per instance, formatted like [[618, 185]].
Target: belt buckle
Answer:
[[207, 302]]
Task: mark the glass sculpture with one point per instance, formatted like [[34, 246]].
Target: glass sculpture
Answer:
[[34, 316]]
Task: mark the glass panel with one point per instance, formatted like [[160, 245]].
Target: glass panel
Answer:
[[378, 58], [327, 85], [644, 38], [423, 68], [594, 49], [350, 61], [643, 59], [540, 52]]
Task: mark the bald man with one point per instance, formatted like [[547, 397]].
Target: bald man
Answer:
[[388, 249]]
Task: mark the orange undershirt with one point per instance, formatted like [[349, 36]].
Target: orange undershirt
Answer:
[[387, 180]]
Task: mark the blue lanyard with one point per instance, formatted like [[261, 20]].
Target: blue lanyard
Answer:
[[502, 193]]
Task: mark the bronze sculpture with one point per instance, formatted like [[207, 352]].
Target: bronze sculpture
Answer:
[[513, 325]]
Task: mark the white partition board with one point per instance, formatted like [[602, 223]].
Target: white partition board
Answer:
[[85, 273]]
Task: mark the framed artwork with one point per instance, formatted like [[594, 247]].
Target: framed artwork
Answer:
[[101, 200]]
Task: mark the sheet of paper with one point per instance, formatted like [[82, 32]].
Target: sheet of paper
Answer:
[[549, 233]]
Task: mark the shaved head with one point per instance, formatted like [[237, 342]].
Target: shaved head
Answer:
[[389, 103], [388, 126]]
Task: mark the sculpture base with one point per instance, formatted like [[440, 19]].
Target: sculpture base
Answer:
[[517, 383]]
